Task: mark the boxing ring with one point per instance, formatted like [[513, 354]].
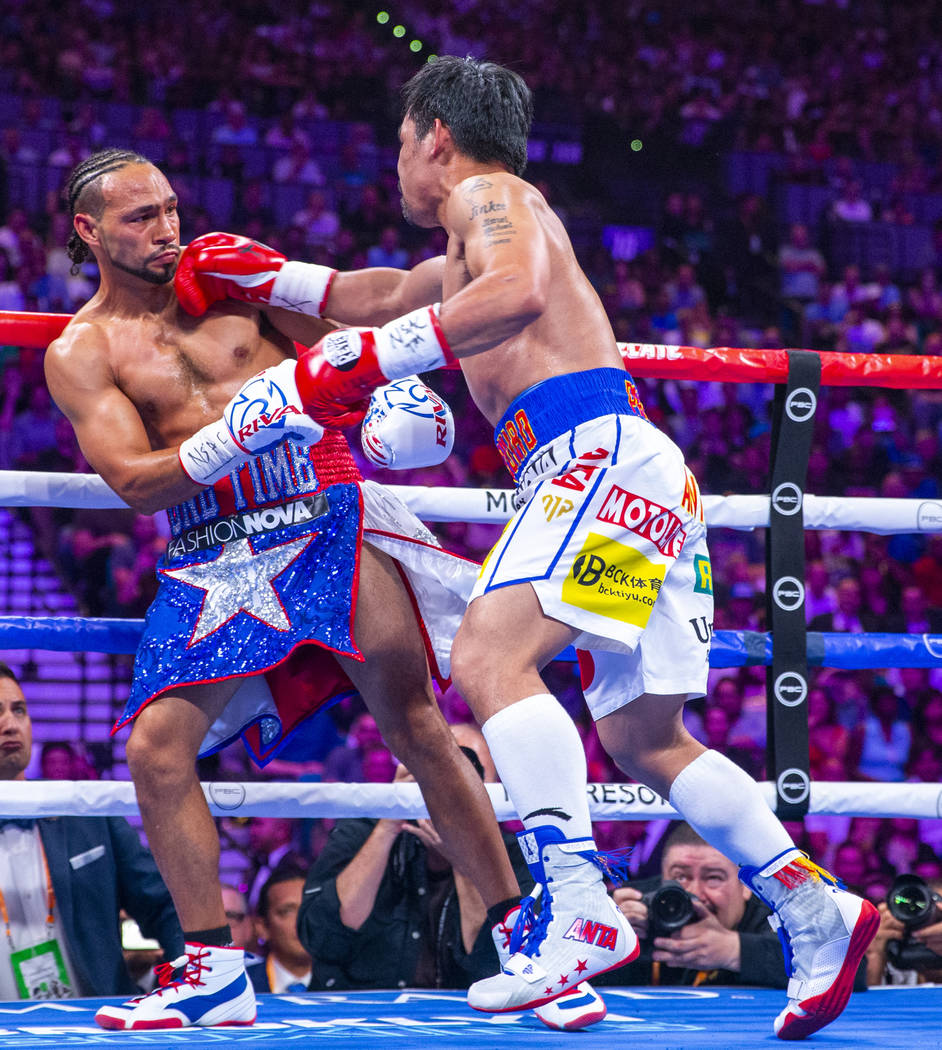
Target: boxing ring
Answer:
[[655, 1017]]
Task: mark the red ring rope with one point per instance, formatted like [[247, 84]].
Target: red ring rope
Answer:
[[724, 364]]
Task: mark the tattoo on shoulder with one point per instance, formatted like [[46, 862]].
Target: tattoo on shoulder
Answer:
[[499, 230], [486, 208], [475, 187]]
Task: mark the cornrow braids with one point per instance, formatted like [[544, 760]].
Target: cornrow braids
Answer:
[[82, 189]]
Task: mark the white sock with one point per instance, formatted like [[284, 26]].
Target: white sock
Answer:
[[724, 805], [541, 761]]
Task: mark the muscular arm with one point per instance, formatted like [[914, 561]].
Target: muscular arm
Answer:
[[109, 428], [506, 246], [380, 294], [365, 297]]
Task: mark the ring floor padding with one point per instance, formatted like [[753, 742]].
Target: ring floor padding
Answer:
[[663, 1018]]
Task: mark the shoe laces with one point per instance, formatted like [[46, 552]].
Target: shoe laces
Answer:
[[193, 967], [529, 930]]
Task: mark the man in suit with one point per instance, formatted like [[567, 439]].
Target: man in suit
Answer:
[[63, 882], [285, 965]]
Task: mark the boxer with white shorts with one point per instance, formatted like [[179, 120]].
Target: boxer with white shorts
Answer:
[[585, 560], [610, 535]]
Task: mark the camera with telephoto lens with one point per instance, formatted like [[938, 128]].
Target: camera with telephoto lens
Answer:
[[670, 907], [914, 903]]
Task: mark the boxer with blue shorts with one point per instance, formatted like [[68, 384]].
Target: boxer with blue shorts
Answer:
[[287, 580]]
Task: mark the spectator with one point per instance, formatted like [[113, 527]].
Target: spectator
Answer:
[[728, 940], [683, 292], [900, 337], [34, 429], [827, 738], [240, 918], [850, 863], [11, 292], [886, 739], [925, 300], [285, 965], [72, 151], [152, 125], [850, 291], [235, 130], [319, 222], [271, 845], [298, 165], [95, 866], [917, 616], [388, 251], [14, 150], [285, 134], [367, 213], [851, 205], [345, 763], [880, 970], [57, 761], [802, 266], [820, 319], [820, 597], [384, 908], [849, 616], [859, 333]]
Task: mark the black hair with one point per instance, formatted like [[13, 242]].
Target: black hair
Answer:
[[83, 193], [7, 672], [683, 835], [487, 108], [471, 755], [282, 873]]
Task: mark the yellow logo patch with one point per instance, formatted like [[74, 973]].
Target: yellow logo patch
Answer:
[[613, 580], [556, 506]]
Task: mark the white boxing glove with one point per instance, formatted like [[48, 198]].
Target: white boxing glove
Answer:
[[265, 412], [406, 426]]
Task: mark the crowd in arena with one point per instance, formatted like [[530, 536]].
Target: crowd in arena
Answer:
[[290, 143]]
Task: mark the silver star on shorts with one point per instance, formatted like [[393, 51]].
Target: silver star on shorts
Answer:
[[240, 580]]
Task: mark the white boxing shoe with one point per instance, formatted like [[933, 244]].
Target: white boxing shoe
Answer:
[[213, 989], [575, 1009], [578, 933], [824, 930]]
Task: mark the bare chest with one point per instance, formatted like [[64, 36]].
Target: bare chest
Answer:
[[181, 376]]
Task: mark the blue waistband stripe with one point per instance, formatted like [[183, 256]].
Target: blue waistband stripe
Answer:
[[556, 405]]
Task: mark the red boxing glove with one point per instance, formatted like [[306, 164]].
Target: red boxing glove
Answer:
[[220, 266], [346, 366]]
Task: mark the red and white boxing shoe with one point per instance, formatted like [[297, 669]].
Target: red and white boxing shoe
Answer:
[[575, 1009], [824, 931], [213, 989], [578, 933]]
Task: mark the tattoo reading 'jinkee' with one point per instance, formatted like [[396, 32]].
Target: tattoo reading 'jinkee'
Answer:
[[498, 231], [487, 208]]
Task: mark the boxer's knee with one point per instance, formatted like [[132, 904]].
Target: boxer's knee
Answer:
[[647, 737], [157, 758]]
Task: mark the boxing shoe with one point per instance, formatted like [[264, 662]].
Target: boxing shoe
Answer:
[[577, 1008], [213, 989], [824, 931], [578, 932]]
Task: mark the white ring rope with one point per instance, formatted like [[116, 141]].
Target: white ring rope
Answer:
[[99, 798], [884, 516]]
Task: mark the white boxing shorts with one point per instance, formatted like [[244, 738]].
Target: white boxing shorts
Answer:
[[609, 534]]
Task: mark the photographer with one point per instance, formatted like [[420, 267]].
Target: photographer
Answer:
[[907, 948], [726, 938]]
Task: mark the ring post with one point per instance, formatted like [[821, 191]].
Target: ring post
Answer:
[[787, 755]]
